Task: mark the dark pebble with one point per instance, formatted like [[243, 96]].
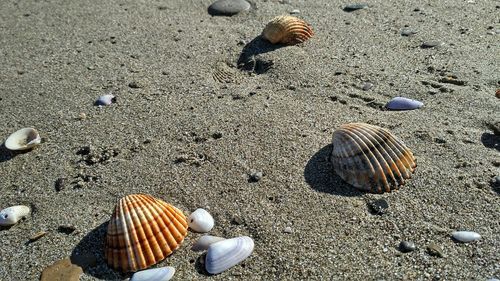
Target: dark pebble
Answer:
[[407, 246], [255, 176], [217, 135], [237, 220], [378, 207], [60, 184], [66, 229], [134, 85], [355, 6], [430, 44], [228, 7]]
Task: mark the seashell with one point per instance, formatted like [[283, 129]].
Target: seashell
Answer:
[[205, 241], [400, 103], [23, 139], [371, 158], [227, 253], [12, 215], [105, 100], [201, 221], [142, 231], [466, 236], [287, 30], [155, 274]]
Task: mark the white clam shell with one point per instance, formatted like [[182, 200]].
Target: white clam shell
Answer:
[[105, 100], [225, 254], [201, 221], [23, 139], [155, 274], [205, 241], [12, 215], [466, 236]]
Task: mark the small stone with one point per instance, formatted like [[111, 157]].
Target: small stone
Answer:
[[407, 246], [378, 207], [292, 87], [237, 220], [408, 32], [135, 85], [217, 135], [60, 184], [434, 250], [367, 86], [228, 7], [66, 229], [62, 270], [82, 116], [431, 44], [295, 12], [255, 176], [355, 6], [287, 230]]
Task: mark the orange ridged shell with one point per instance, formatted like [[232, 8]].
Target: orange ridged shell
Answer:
[[142, 231], [371, 158], [287, 30]]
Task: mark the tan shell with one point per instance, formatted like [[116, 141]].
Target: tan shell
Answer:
[[287, 30], [142, 231], [371, 158]]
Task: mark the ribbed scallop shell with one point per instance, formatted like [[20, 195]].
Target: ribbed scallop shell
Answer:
[[371, 158], [142, 231], [287, 30]]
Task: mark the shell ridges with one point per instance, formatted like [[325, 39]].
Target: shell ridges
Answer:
[[287, 30]]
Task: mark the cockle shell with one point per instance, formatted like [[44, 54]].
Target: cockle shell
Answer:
[[466, 236], [227, 253], [12, 215], [371, 158], [201, 221], [287, 30], [401, 103], [155, 274], [142, 231], [23, 139], [205, 241]]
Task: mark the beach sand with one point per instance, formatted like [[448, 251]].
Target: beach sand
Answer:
[[178, 134]]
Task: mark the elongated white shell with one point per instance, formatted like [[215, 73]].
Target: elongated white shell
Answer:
[[466, 236], [201, 221], [205, 241], [155, 274], [23, 139], [401, 103], [12, 215], [225, 254]]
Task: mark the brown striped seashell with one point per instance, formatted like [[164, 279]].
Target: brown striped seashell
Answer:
[[287, 30], [371, 158], [142, 231]]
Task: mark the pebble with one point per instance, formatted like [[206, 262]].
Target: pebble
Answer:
[[60, 184], [228, 7], [66, 229], [237, 220], [407, 246], [255, 176], [408, 32], [431, 44], [135, 85], [367, 86], [62, 270], [465, 236], [434, 250], [295, 12], [355, 6], [378, 207], [287, 230]]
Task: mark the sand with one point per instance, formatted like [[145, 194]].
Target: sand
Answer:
[[178, 134]]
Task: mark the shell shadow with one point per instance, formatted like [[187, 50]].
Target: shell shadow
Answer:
[[491, 141], [319, 174], [93, 244], [200, 265], [249, 60], [6, 155]]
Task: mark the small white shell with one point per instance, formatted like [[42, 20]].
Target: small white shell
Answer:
[[23, 139], [466, 236], [227, 253], [12, 215], [205, 241], [105, 100], [402, 103], [201, 221], [155, 274]]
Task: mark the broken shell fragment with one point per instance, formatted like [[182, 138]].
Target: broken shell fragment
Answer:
[[12, 215], [287, 30], [23, 139], [466, 236], [156, 274], [371, 158], [401, 103], [105, 100], [227, 253], [142, 231], [201, 221], [205, 241]]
